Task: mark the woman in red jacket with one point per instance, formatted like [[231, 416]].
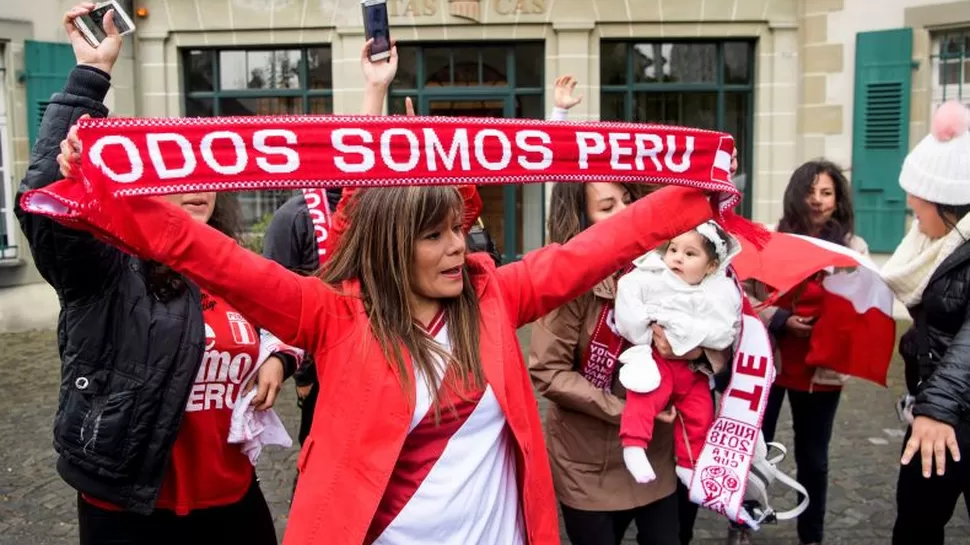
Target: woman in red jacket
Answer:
[[816, 204], [432, 432]]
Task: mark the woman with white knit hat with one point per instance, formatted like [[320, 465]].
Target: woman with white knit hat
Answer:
[[930, 273]]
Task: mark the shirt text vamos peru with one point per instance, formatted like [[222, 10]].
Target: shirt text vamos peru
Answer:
[[207, 154]]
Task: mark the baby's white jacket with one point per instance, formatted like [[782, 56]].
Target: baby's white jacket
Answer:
[[707, 315]]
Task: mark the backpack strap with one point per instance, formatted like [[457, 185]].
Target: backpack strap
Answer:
[[764, 472]]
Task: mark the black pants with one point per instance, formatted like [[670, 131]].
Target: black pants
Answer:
[[686, 514], [813, 416], [246, 521], [924, 506], [656, 524], [306, 412]]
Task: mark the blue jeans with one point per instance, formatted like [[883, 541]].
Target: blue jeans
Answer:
[[813, 416]]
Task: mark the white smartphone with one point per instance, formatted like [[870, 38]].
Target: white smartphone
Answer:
[[377, 27], [92, 24]]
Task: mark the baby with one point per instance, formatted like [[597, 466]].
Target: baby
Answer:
[[682, 288]]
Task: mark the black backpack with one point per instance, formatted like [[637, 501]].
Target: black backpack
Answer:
[[478, 240]]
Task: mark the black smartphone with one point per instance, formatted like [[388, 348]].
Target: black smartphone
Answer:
[[377, 27]]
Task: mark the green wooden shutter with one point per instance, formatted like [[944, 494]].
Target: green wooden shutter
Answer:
[[880, 134], [46, 67]]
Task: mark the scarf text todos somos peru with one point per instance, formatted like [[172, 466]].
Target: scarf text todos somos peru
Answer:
[[179, 155]]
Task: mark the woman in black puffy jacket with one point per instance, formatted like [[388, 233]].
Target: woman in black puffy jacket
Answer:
[[151, 366], [930, 273]]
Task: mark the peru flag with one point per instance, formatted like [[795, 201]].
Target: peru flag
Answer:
[[855, 334]]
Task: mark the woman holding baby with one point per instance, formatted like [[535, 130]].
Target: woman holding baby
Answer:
[[574, 361]]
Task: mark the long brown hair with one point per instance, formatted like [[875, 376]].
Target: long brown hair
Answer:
[[164, 283], [567, 210], [379, 252]]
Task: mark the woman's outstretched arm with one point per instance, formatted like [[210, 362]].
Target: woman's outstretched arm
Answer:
[[549, 277]]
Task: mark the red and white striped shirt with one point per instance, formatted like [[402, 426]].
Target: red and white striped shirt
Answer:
[[455, 480]]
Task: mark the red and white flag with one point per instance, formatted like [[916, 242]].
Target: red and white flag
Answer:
[[855, 333]]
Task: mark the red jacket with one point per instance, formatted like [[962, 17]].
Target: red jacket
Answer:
[[794, 373], [367, 414]]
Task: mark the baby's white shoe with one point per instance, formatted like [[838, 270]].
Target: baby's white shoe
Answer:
[[639, 372], [638, 465]]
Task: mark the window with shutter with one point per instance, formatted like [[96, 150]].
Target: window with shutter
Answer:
[[880, 139], [46, 67]]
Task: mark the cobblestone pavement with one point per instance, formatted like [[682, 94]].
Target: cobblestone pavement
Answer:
[[37, 508]]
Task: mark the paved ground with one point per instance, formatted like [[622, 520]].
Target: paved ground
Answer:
[[37, 508]]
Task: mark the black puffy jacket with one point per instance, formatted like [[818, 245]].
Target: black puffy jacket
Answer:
[[128, 359], [936, 348]]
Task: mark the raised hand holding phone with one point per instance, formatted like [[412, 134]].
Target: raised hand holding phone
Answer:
[[103, 56], [380, 73]]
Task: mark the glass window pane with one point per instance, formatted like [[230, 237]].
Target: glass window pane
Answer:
[[261, 106], [198, 107], [611, 107], [737, 117], [407, 67], [950, 45], [320, 68], [530, 62], [232, 70], [737, 62], [259, 69], [466, 66], [467, 107], [675, 63], [697, 110], [395, 106], [320, 105], [199, 71], [285, 69], [949, 73], [529, 107], [494, 69], [659, 108], [437, 67], [613, 63]]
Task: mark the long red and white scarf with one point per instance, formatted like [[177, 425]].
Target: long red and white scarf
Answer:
[[143, 156], [721, 471]]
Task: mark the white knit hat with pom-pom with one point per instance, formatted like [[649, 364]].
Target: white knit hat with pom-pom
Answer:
[[938, 168]]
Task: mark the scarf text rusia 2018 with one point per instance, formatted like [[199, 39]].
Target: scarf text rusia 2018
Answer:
[[179, 155], [721, 470]]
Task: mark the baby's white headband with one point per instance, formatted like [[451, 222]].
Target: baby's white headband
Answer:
[[709, 231]]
